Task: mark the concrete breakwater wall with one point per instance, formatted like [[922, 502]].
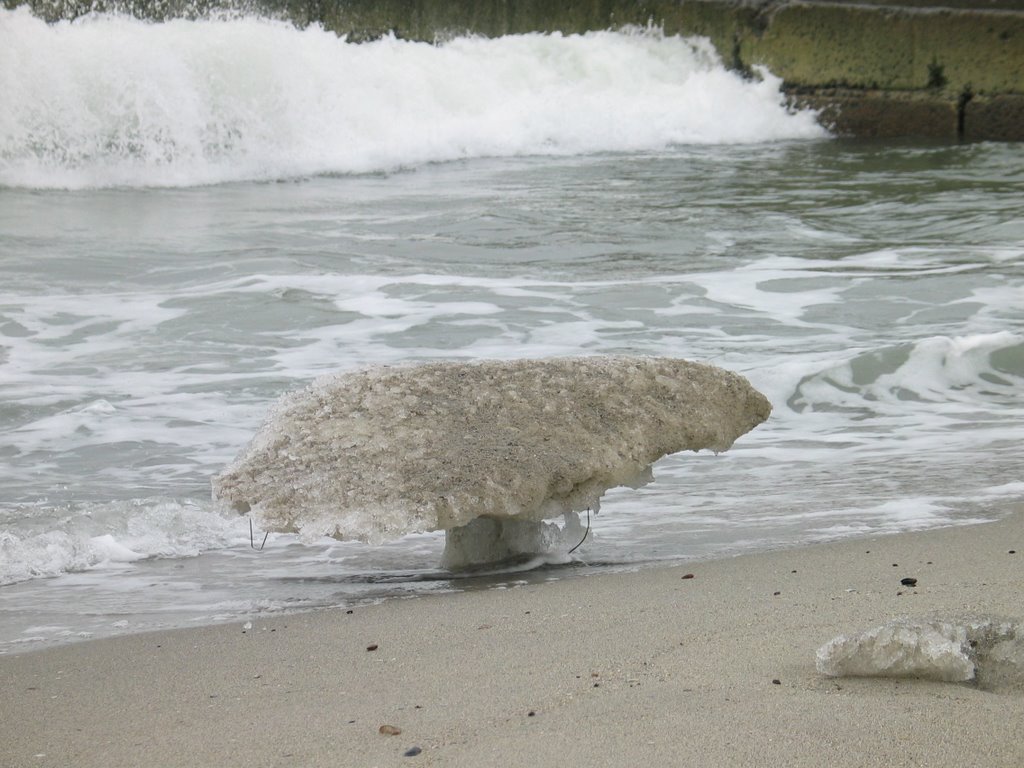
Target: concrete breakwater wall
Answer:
[[939, 68]]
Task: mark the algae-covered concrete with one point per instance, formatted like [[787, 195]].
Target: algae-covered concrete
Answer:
[[898, 70], [942, 68]]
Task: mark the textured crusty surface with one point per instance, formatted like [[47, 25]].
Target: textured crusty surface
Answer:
[[986, 649], [388, 451]]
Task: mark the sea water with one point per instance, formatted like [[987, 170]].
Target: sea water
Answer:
[[198, 216]]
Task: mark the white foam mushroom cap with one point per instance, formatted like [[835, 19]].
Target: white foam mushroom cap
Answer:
[[379, 453]]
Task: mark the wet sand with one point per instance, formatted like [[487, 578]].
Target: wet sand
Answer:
[[647, 668]]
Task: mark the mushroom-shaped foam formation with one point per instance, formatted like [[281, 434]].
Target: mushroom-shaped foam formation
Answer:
[[485, 451]]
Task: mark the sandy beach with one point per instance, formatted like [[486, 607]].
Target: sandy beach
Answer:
[[647, 668]]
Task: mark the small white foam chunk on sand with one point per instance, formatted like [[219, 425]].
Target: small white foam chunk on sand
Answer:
[[934, 651], [986, 650], [380, 453]]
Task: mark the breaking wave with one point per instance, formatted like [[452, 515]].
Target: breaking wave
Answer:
[[46, 541], [110, 100]]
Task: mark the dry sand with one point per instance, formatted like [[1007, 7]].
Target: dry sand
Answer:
[[638, 669]]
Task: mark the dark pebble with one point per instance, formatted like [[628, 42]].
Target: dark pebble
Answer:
[[412, 752], [372, 647], [1012, 552], [776, 593], [688, 576], [776, 681], [908, 582], [531, 713], [349, 611]]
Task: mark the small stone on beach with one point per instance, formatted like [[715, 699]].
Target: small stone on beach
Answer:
[[908, 582], [389, 730], [412, 752], [688, 576], [372, 647], [776, 681]]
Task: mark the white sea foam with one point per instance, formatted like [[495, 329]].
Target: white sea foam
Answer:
[[437, 446], [943, 372], [41, 542], [109, 100], [986, 649]]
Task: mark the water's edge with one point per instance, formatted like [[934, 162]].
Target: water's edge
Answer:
[[435, 583]]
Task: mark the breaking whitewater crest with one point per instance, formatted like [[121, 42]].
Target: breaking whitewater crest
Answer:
[[487, 451]]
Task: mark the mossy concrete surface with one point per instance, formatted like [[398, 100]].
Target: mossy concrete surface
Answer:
[[891, 48], [886, 69], [910, 67], [884, 114]]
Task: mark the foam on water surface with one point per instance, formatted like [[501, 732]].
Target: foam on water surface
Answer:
[[44, 541]]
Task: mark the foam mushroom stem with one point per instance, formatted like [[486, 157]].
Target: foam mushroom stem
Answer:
[[485, 451]]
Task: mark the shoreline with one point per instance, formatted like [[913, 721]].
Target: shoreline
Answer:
[[644, 667]]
